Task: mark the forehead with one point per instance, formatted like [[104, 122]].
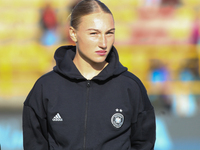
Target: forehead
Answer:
[[99, 20]]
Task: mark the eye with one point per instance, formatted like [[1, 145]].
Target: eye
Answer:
[[110, 32], [93, 33]]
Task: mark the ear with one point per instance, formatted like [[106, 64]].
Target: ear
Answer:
[[72, 33]]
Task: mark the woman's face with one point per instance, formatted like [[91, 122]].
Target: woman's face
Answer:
[[94, 37]]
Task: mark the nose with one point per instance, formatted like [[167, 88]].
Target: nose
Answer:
[[103, 42]]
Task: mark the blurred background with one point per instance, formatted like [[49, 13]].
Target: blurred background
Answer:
[[158, 40]]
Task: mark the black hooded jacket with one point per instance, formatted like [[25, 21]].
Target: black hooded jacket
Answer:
[[65, 111]]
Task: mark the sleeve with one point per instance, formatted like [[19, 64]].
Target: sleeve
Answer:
[[143, 129], [35, 135]]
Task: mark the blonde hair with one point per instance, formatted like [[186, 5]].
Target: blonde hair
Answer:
[[86, 7]]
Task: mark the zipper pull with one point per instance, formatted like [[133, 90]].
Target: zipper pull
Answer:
[[88, 84]]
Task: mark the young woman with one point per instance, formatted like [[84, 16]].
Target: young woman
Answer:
[[89, 101]]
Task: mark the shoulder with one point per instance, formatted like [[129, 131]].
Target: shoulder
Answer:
[[48, 78], [36, 92], [135, 79], [43, 81]]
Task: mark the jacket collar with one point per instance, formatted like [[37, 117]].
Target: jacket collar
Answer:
[[64, 56]]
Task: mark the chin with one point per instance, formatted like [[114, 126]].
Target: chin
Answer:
[[100, 61]]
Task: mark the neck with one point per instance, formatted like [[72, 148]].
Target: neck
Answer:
[[89, 69]]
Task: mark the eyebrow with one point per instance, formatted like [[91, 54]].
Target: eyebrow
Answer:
[[99, 30]]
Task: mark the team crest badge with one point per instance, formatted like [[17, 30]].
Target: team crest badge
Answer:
[[117, 119]]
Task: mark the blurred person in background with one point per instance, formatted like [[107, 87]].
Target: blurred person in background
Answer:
[[159, 76], [49, 25], [89, 100], [49, 20]]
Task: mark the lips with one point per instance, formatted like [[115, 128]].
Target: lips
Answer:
[[101, 52]]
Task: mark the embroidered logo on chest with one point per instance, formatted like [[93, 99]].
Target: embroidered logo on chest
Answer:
[[117, 119]]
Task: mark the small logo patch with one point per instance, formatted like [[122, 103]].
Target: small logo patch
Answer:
[[117, 119], [57, 117]]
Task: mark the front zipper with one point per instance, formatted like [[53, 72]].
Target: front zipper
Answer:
[[86, 115]]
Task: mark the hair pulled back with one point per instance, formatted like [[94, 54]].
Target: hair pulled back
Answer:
[[86, 7]]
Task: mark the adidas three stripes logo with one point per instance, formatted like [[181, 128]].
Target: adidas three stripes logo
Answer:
[[57, 117]]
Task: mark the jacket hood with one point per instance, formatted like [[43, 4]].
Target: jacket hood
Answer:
[[64, 56]]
